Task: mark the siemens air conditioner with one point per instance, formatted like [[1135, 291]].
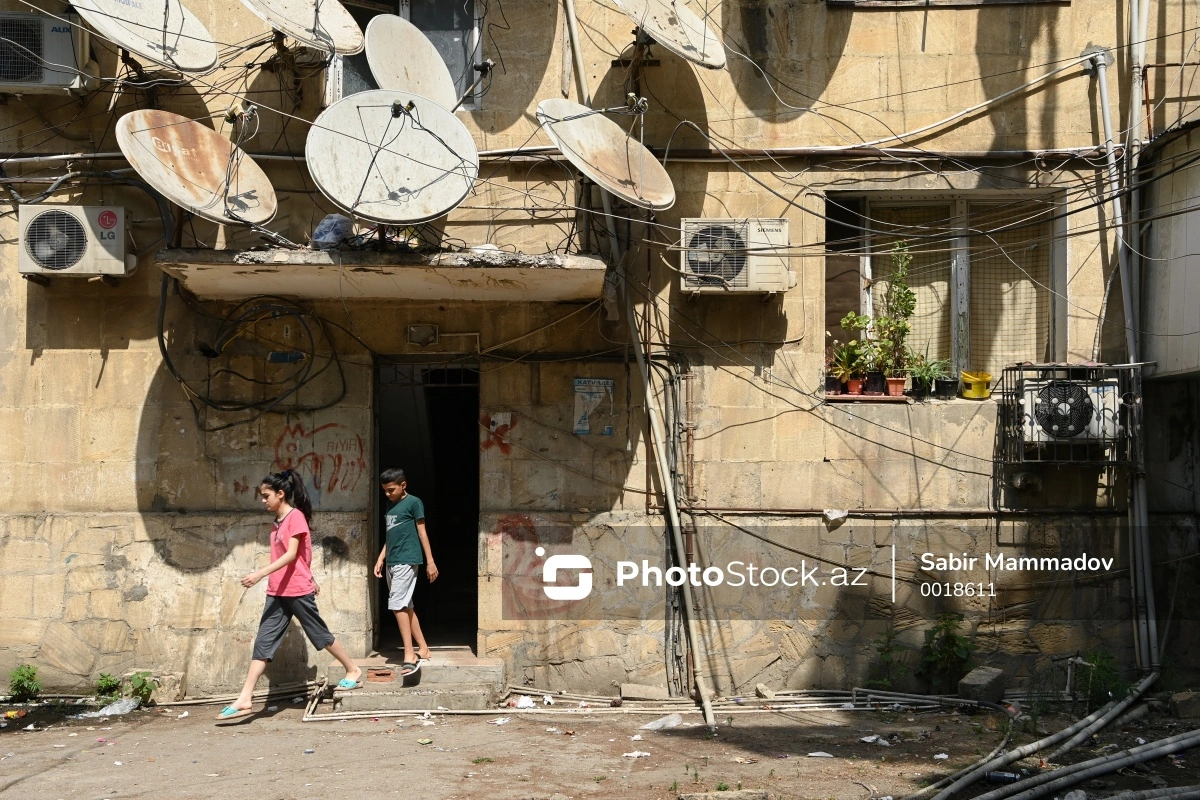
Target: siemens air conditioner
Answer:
[[730, 256]]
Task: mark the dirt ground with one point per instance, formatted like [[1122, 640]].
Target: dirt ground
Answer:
[[275, 754]]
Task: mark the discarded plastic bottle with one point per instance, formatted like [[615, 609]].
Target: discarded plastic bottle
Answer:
[[1002, 777]]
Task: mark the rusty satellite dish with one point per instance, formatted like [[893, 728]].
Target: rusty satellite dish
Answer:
[[164, 31], [673, 25], [601, 150], [391, 157], [403, 59], [323, 24], [196, 168]]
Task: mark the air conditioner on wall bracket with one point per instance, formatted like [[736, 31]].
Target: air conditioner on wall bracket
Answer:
[[1070, 410], [73, 240], [726, 256], [41, 54]]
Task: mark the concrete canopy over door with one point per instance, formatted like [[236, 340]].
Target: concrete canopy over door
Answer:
[[482, 275]]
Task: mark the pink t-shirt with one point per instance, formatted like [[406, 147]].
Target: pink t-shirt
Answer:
[[296, 579]]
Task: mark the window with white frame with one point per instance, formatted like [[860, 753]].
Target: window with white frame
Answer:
[[988, 271], [452, 26]]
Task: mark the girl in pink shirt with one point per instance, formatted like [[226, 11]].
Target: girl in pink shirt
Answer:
[[291, 590]]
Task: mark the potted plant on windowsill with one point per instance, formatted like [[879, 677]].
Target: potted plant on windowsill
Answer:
[[844, 365], [867, 354], [834, 384], [892, 328], [925, 371]]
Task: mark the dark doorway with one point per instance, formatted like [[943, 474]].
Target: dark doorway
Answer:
[[428, 423]]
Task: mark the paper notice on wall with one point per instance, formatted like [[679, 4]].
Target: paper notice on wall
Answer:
[[594, 397]]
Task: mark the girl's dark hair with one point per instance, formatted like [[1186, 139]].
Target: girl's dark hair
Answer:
[[293, 490], [392, 475]]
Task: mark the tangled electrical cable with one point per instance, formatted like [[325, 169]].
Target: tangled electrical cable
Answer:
[[242, 320]]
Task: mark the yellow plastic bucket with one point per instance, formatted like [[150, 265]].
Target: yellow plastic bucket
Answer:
[[976, 385]]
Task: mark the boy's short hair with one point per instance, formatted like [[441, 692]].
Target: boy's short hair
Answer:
[[392, 475]]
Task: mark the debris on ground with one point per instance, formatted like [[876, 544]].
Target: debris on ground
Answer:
[[664, 723]]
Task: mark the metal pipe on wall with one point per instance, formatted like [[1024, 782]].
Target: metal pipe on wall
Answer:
[[1145, 624], [658, 436]]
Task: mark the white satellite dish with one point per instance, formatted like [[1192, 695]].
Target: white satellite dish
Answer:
[[164, 31], [403, 59], [608, 155], [673, 25], [323, 24], [391, 157], [196, 168]]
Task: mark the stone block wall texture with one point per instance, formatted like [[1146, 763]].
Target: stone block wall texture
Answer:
[[125, 527]]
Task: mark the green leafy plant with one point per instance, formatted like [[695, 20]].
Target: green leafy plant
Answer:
[[722, 787], [674, 787], [845, 360], [107, 686], [481, 760], [926, 369], [23, 683], [890, 669], [891, 328], [1103, 681], [945, 653], [142, 686], [599, 778]]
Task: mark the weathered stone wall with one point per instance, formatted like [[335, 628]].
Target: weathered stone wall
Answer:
[[125, 527]]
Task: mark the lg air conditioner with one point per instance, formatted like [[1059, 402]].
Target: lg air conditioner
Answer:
[[73, 240], [734, 256], [1070, 411], [41, 54]]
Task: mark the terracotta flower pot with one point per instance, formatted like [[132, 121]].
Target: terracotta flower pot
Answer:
[[854, 386], [895, 386]]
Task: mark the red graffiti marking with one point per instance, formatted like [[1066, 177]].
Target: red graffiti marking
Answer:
[[522, 595], [241, 486], [335, 464], [496, 434]]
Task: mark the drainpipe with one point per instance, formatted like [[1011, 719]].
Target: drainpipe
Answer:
[[1146, 626], [657, 432]]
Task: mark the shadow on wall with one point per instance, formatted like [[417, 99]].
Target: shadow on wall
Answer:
[[1008, 46], [782, 55], [526, 41]]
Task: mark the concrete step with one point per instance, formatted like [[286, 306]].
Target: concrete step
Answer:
[[398, 697], [447, 665]]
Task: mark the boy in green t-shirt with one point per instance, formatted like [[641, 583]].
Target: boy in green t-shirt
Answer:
[[405, 548]]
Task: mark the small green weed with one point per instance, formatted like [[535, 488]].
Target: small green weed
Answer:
[[481, 760], [890, 669], [945, 653], [722, 787], [23, 683], [142, 686], [674, 787], [107, 686], [600, 778]]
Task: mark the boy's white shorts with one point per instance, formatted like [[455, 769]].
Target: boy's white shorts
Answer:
[[402, 580]]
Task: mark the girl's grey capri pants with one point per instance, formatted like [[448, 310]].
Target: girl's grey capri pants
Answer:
[[278, 615]]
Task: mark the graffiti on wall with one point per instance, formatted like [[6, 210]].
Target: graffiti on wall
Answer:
[[496, 428], [331, 458]]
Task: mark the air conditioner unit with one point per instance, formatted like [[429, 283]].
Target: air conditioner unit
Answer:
[[735, 255], [73, 240], [1070, 411], [40, 54]]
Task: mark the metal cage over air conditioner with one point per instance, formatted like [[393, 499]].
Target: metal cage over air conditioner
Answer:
[[1068, 414]]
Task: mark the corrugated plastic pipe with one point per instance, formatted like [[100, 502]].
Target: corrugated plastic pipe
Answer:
[[1112, 714], [1047, 782]]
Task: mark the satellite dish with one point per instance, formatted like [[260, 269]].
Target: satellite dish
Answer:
[[164, 31], [403, 59], [391, 157], [196, 168], [601, 150], [323, 24], [675, 27]]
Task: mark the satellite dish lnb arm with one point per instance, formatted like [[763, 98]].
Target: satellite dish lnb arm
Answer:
[[484, 70]]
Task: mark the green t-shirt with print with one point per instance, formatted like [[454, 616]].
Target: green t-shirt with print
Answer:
[[403, 544]]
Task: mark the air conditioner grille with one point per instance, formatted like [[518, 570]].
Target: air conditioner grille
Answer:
[[21, 50], [1063, 408], [716, 256], [55, 240]]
